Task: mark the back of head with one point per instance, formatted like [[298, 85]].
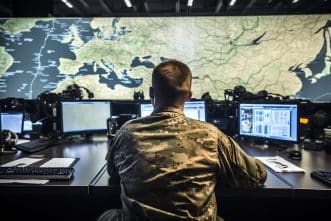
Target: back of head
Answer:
[[171, 80]]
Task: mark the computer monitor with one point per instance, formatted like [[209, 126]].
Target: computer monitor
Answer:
[[84, 117], [269, 121], [12, 121], [192, 109], [145, 109], [27, 126]]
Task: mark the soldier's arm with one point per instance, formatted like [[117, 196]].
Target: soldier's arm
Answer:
[[237, 168], [110, 157]]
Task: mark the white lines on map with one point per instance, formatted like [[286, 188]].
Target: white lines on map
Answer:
[[35, 75]]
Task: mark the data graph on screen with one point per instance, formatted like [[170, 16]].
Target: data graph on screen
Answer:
[[192, 109], [84, 116], [269, 121]]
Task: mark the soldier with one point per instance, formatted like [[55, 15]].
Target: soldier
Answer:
[[169, 164]]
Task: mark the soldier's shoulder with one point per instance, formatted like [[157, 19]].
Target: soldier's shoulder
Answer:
[[131, 124], [204, 125]]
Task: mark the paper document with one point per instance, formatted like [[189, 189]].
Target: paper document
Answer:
[[59, 162], [20, 141], [279, 164], [30, 181], [23, 162]]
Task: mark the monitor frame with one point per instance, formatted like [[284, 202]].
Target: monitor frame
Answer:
[[13, 112], [192, 100], [205, 107], [269, 139], [82, 132], [139, 106]]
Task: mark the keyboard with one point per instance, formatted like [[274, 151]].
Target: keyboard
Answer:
[[36, 144], [45, 173], [323, 176]]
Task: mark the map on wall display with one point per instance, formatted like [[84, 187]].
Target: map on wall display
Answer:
[[114, 57]]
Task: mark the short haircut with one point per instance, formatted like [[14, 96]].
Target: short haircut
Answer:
[[171, 80]]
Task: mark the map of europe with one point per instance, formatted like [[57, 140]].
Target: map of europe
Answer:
[[114, 57]]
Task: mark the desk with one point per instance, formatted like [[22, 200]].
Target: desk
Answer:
[[285, 196], [278, 183], [88, 194], [59, 200], [273, 187], [302, 184], [271, 196]]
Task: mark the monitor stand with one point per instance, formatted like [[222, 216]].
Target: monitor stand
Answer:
[[279, 145], [75, 138], [86, 137], [261, 144], [98, 137], [90, 137]]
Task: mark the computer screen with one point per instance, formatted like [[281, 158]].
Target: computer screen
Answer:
[[27, 126], [84, 116], [12, 121], [269, 121], [192, 109]]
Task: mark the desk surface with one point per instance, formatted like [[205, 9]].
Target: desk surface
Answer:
[[91, 160], [300, 182], [273, 186], [90, 173], [277, 184], [89, 194]]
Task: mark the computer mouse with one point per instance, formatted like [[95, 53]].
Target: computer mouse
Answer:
[[294, 155]]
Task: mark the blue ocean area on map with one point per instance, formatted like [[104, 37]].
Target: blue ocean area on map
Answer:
[[143, 62], [318, 90], [3, 21], [36, 56], [112, 78], [118, 33]]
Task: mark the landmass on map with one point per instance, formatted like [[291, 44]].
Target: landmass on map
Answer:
[[113, 57]]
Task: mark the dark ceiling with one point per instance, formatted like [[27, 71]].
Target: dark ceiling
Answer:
[[111, 8]]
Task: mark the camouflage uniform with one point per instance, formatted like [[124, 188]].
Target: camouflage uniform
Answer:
[[169, 166]]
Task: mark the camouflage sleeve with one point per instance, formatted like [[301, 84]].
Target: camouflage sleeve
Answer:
[[114, 151], [237, 168], [110, 157]]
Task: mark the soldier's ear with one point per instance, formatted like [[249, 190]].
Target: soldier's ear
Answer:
[[152, 96], [188, 96]]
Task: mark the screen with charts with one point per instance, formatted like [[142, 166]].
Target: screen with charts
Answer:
[[269, 121], [84, 116], [12, 121], [192, 109]]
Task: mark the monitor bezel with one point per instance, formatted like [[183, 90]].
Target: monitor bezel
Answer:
[[205, 106], [192, 100], [143, 102], [13, 112], [60, 118], [268, 139]]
